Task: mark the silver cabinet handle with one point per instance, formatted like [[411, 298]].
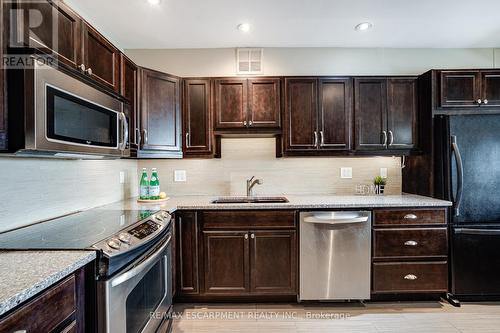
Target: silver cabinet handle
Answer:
[[391, 138], [410, 277], [89, 71], [145, 134], [244, 122], [137, 137], [479, 101], [315, 138], [188, 143], [20, 331], [250, 123], [485, 101], [411, 243], [252, 236], [384, 133], [246, 236], [82, 67], [322, 141], [410, 217]]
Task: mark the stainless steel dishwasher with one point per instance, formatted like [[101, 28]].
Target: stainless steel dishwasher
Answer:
[[335, 255]]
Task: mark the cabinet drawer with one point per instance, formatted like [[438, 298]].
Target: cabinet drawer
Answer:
[[424, 242], [45, 312], [410, 277], [248, 219], [409, 216]]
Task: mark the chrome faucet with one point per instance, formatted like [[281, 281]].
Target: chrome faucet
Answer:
[[251, 183]]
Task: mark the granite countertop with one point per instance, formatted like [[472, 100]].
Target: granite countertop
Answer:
[[26, 273], [302, 202]]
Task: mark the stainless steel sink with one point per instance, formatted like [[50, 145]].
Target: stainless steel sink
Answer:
[[243, 200]]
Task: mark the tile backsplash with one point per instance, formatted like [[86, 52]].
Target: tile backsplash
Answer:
[[243, 158], [36, 189]]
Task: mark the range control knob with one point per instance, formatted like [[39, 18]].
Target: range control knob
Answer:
[[159, 218], [114, 243], [165, 214], [124, 237]]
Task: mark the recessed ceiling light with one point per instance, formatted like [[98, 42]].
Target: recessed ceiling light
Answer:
[[154, 2], [363, 26], [244, 27]]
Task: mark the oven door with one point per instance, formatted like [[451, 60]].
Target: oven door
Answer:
[[72, 117], [139, 298]]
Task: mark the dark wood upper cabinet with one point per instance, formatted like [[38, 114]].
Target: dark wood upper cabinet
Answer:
[[490, 88], [59, 32], [101, 58], [129, 73], [402, 113], [187, 268], [197, 117], [160, 115], [335, 110], [264, 102], [460, 88], [273, 262], [301, 114], [226, 262], [370, 112], [231, 102]]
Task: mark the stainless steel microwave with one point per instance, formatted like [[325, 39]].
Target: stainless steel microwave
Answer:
[[66, 117]]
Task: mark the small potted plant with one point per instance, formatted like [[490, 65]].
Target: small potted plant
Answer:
[[379, 183]]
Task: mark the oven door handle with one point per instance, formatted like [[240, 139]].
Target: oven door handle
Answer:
[[140, 268]]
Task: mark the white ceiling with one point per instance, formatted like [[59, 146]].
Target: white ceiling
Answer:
[[296, 23]]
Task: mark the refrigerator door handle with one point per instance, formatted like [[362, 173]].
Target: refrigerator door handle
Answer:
[[467, 231], [460, 175]]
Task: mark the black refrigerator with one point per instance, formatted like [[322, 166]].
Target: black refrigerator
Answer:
[[467, 159]]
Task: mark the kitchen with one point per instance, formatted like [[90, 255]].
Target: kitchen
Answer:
[[323, 166]]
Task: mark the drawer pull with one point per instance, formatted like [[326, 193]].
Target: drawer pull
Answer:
[[410, 277], [411, 243], [410, 217]]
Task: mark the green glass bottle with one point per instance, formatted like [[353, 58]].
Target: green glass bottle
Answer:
[[144, 185], [154, 185]]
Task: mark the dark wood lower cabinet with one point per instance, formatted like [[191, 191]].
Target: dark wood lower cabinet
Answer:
[[273, 267], [187, 268], [226, 262], [60, 308]]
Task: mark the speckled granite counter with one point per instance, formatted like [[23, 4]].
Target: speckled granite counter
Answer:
[[26, 273], [302, 202]]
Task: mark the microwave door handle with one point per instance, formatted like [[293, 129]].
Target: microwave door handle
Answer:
[[126, 132], [141, 267], [460, 175]]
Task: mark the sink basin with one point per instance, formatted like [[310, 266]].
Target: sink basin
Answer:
[[244, 200]]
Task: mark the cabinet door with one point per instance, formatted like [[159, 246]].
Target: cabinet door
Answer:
[[490, 88], [101, 58], [264, 102], [335, 109], [226, 262], [460, 88], [197, 117], [273, 262], [301, 114], [160, 113], [402, 113], [128, 89], [187, 253], [231, 103], [58, 33], [370, 114]]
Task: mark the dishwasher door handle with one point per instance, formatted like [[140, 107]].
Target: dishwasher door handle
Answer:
[[361, 219]]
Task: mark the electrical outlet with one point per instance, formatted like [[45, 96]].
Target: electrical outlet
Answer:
[[346, 173], [122, 177], [180, 176], [383, 172]]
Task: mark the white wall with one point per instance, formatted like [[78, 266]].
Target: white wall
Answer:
[[37, 189], [317, 61], [246, 157]]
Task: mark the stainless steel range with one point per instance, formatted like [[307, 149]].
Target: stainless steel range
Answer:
[[134, 268]]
